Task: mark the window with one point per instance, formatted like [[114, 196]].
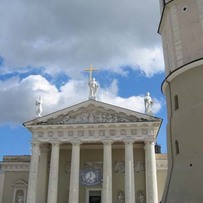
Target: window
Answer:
[[177, 147], [184, 9], [19, 192], [176, 103]]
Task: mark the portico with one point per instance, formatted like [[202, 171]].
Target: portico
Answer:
[[84, 142]]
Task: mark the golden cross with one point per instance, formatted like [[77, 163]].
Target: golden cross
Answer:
[[91, 69]]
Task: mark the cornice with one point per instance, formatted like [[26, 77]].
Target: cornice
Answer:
[[96, 125], [14, 166], [193, 64]]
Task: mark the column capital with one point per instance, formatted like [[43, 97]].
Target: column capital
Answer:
[[150, 142], [128, 141], [76, 142], [35, 143], [54, 142], [107, 141]]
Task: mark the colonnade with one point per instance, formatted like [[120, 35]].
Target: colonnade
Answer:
[[150, 162]]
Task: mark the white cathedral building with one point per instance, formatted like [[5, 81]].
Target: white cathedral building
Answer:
[[94, 152], [91, 152]]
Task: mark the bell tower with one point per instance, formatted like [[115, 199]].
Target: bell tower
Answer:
[[181, 28]]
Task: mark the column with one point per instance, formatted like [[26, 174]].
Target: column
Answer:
[[2, 178], [107, 172], [34, 164], [74, 174], [53, 174], [42, 185], [129, 172], [151, 177]]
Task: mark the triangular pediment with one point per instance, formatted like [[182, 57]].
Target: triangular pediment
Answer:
[[19, 183], [90, 112]]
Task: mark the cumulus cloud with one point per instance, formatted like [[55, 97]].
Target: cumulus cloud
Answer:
[[136, 103], [67, 36], [18, 97]]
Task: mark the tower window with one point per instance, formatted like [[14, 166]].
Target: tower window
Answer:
[[184, 9], [176, 103], [177, 147]]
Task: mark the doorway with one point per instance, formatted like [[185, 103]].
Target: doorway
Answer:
[[95, 199], [94, 195]]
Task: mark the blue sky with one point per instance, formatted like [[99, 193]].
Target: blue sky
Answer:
[[45, 46]]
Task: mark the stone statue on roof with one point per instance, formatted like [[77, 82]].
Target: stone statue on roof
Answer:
[[93, 88], [93, 85], [38, 105], [148, 104]]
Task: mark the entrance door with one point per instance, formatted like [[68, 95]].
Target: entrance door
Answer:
[[95, 196]]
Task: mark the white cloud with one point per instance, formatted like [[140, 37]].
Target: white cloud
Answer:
[[136, 103], [69, 35], [150, 61], [18, 97]]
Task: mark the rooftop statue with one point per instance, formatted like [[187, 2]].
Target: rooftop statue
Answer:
[[148, 104], [93, 85], [93, 88], [38, 109]]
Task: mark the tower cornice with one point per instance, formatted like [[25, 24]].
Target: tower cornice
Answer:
[[193, 64]]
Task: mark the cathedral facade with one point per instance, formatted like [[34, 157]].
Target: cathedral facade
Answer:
[[91, 152]]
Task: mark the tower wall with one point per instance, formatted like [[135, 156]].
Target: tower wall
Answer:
[[185, 137], [181, 28]]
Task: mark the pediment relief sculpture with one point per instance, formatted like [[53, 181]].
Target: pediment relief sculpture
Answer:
[[92, 115]]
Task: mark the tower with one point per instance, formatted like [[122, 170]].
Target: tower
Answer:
[[181, 28]]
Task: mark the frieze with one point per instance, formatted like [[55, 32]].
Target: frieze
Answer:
[[123, 132], [139, 166], [40, 134], [60, 133], [50, 134], [119, 166], [70, 133], [91, 133], [112, 132], [81, 133], [133, 131], [15, 166], [91, 115], [144, 131], [95, 133], [101, 133]]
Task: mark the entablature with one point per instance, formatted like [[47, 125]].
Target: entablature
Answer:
[[95, 132], [14, 166]]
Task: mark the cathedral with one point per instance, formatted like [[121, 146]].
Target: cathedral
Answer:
[[91, 152], [94, 152]]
